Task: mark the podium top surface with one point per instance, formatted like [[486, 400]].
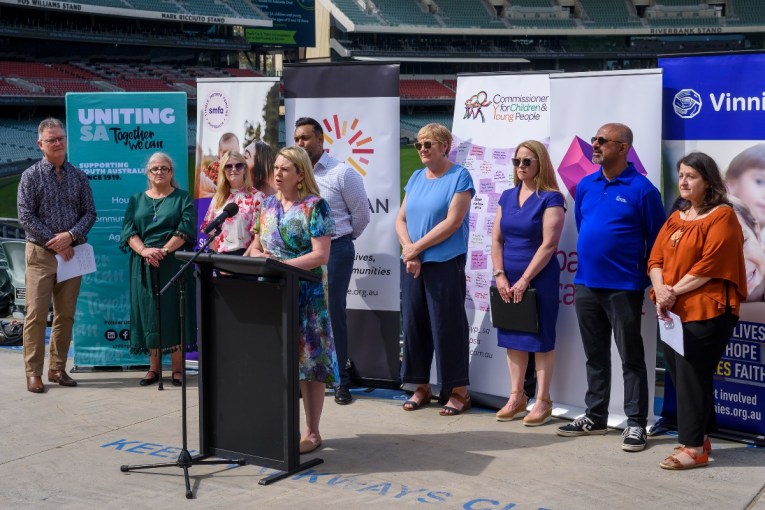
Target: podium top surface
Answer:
[[238, 264]]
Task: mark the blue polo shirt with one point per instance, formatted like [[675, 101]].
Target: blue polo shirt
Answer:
[[618, 221]]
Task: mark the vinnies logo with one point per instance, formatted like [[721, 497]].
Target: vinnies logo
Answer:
[[687, 103], [348, 142], [474, 105]]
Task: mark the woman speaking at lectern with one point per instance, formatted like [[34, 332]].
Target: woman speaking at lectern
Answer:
[[295, 227]]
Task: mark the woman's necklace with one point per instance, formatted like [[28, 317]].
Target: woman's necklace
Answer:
[[675, 237], [156, 206]]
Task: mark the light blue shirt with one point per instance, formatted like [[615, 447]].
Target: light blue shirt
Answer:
[[427, 203], [343, 188]]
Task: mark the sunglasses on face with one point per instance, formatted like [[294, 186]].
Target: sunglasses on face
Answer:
[[420, 145], [234, 169], [160, 170], [525, 161], [602, 141]]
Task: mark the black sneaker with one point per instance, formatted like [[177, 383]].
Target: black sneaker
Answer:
[[343, 395], [634, 439], [582, 427]]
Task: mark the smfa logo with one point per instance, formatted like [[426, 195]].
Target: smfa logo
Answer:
[[216, 109], [474, 105], [348, 142], [687, 103]]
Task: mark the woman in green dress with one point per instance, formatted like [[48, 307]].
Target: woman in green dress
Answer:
[[157, 222]]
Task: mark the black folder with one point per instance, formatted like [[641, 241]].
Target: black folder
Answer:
[[521, 316]]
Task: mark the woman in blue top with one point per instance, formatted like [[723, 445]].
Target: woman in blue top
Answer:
[[526, 233], [432, 227]]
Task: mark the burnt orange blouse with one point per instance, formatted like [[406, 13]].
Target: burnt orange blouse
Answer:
[[712, 247]]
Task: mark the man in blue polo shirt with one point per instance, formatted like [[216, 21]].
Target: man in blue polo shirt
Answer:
[[618, 215]]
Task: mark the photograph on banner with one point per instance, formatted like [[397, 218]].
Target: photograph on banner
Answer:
[[632, 98], [357, 131], [238, 115], [111, 136], [704, 111], [492, 115]]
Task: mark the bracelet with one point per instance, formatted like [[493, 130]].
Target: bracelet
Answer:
[[71, 235]]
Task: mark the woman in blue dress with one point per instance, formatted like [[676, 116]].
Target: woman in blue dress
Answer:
[[526, 232], [295, 226]]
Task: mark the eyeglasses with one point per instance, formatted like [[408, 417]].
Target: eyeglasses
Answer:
[[427, 144], [525, 161], [603, 141], [234, 169], [52, 141], [160, 170]]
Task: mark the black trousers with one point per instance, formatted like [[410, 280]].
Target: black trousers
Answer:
[[693, 375], [601, 312]]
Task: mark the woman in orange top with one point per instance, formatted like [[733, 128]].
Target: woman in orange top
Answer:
[[698, 272]]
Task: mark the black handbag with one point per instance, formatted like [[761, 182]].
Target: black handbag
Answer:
[[523, 316]]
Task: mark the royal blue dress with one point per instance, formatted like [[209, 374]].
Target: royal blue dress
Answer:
[[522, 231]]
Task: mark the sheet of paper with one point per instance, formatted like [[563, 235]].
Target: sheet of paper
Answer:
[[671, 333], [83, 262]]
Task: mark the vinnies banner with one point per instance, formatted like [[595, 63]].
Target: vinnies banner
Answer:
[[706, 110], [111, 136]]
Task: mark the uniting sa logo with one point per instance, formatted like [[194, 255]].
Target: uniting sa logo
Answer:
[[687, 103], [216, 109], [347, 142]]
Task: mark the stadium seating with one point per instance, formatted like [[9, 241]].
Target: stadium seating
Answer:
[[354, 12], [746, 12], [424, 89], [405, 12], [609, 14], [18, 140], [155, 5], [458, 13]]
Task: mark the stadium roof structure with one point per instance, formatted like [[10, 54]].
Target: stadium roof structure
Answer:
[[195, 11]]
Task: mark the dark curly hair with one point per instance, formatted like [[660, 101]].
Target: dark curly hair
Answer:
[[716, 193]]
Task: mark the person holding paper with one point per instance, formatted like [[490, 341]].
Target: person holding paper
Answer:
[[234, 186], [56, 209], [432, 227], [527, 229], [158, 222], [698, 272], [295, 226]]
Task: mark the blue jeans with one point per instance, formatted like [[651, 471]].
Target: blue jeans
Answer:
[[599, 312], [339, 271], [434, 319]]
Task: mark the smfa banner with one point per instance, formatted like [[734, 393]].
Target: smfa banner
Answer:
[[358, 107], [582, 103], [715, 104], [111, 136], [492, 115], [234, 114]]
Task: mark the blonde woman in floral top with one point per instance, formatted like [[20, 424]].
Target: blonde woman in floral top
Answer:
[[234, 185]]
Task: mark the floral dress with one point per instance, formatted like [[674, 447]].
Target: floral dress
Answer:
[[237, 231], [287, 235]]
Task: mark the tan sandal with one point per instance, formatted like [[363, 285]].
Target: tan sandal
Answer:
[[683, 458], [536, 418], [517, 411], [707, 446]]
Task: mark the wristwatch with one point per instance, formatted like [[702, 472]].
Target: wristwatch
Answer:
[[498, 272], [164, 250]]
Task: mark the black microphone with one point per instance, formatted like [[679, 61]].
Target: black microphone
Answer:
[[228, 211]]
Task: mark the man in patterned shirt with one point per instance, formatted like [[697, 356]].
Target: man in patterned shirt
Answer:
[[55, 207], [343, 188]]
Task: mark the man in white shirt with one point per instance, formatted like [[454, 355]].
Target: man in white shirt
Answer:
[[343, 188]]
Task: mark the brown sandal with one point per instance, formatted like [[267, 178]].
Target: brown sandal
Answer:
[[453, 411], [413, 405], [683, 458]]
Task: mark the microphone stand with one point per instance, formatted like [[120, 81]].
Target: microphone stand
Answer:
[[185, 460]]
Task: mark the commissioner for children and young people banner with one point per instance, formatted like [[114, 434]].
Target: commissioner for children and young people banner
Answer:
[[358, 107], [233, 114], [715, 104], [111, 136], [493, 113], [581, 103]]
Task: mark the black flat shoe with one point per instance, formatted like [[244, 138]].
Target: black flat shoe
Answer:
[[179, 381], [146, 381]]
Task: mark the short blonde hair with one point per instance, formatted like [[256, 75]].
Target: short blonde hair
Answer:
[[545, 178], [299, 157], [439, 133], [223, 187]]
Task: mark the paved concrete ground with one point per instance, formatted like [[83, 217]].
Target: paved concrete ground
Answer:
[[64, 449]]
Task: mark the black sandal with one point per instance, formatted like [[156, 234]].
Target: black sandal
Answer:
[[412, 405], [179, 381], [453, 411], [146, 381]]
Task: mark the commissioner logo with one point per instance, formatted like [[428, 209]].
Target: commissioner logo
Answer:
[[348, 142], [474, 105], [216, 110], [687, 103], [506, 108]]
